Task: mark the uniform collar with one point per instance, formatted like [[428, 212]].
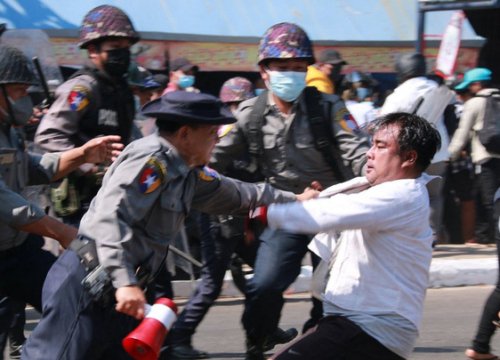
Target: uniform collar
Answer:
[[272, 107], [177, 165]]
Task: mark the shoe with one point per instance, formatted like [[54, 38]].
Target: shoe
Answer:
[[182, 351], [474, 355], [15, 351], [255, 350], [280, 336]]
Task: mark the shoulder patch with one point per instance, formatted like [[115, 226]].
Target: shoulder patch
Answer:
[[346, 120], [208, 174], [152, 176], [78, 98]]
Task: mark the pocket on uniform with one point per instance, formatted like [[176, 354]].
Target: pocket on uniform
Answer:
[[304, 140], [269, 141]]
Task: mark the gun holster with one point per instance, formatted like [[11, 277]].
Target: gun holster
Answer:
[[97, 283]]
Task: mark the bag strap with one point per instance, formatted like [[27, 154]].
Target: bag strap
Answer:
[[254, 136], [319, 116]]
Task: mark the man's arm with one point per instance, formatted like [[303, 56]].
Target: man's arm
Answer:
[[20, 214], [59, 128], [95, 151], [50, 227], [383, 208], [230, 146], [462, 135], [216, 194]]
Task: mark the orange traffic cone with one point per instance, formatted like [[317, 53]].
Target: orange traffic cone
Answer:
[[145, 341]]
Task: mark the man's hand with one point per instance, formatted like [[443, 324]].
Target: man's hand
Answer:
[[310, 192], [130, 300], [102, 149]]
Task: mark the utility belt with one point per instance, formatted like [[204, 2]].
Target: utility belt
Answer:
[[97, 283]]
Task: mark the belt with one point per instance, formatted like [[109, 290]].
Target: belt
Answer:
[[86, 250]]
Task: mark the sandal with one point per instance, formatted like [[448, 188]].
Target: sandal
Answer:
[[474, 355]]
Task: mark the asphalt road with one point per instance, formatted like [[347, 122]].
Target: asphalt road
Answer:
[[450, 318]]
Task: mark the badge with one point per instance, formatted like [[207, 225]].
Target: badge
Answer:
[[152, 176], [346, 121], [78, 98], [208, 174]]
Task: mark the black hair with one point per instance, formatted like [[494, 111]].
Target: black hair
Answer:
[[169, 127], [415, 133]]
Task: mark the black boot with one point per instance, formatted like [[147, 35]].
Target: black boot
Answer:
[[179, 345], [255, 349], [280, 336], [186, 351]]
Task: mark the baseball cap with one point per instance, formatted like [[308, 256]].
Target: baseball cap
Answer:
[[331, 56], [477, 74], [183, 64]]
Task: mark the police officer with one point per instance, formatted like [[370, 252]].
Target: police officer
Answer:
[[219, 235], [145, 196], [286, 130], [23, 264], [96, 100]]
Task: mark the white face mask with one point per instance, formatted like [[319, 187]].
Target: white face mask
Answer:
[[287, 85], [22, 110]]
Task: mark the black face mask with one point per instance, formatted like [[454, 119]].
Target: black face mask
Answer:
[[118, 62]]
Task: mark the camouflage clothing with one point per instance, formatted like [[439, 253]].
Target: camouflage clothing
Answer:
[[285, 41], [106, 21], [236, 89]]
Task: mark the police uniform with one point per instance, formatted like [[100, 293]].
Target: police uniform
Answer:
[[88, 105], [220, 237], [145, 196], [23, 263], [93, 102], [290, 161]]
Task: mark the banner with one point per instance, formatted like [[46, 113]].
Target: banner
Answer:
[[450, 44]]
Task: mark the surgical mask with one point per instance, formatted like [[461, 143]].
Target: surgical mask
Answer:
[[362, 93], [186, 81], [287, 85], [259, 91], [118, 62], [22, 111]]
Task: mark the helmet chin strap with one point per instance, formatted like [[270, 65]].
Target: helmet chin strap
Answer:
[[9, 111]]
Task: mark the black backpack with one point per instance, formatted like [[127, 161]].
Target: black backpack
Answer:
[[489, 135]]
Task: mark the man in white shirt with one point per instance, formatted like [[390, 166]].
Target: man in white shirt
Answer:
[[421, 95], [377, 242]]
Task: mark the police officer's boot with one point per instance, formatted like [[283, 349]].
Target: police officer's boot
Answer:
[[180, 346], [280, 336], [255, 349]]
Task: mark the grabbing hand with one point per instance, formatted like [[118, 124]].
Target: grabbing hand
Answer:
[[310, 192], [102, 149], [130, 300]]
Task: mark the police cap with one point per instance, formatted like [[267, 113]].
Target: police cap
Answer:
[[189, 108]]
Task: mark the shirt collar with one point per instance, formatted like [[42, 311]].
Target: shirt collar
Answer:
[[177, 165]]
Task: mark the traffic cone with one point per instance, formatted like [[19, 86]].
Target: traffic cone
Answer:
[[145, 341]]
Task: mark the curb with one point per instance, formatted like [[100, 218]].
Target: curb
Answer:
[[443, 273]]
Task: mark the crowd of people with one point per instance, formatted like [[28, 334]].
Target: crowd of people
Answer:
[[310, 161]]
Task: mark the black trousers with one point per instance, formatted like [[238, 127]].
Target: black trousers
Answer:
[[336, 338], [486, 329]]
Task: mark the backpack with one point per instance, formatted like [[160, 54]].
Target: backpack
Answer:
[[489, 135], [319, 114]]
